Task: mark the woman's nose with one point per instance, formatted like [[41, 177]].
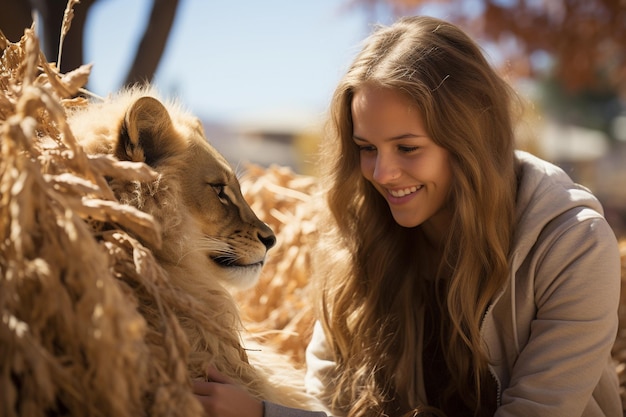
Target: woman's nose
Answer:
[[385, 169]]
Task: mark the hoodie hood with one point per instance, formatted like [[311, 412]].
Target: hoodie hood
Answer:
[[549, 203], [544, 192]]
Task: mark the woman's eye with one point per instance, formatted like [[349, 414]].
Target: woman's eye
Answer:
[[408, 149], [366, 148]]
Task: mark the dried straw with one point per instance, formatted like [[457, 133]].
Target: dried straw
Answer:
[[91, 324], [68, 16], [74, 338], [278, 308]]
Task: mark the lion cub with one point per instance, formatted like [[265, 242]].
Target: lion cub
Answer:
[[210, 235], [208, 229]]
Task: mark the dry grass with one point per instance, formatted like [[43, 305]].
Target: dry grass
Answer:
[[74, 339], [91, 325], [279, 307]]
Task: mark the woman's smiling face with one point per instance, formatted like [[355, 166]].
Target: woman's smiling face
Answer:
[[399, 158]]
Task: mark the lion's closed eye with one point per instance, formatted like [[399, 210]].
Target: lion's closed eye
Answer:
[[219, 190]]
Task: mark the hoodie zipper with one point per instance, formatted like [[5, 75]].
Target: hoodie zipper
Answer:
[[491, 371]]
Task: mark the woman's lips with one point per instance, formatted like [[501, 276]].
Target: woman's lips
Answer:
[[405, 191], [402, 195]]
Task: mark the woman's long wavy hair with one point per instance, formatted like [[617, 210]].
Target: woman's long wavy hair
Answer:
[[371, 305]]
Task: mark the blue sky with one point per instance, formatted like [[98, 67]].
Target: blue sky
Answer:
[[227, 60]]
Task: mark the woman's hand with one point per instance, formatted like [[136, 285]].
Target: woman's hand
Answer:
[[220, 397]]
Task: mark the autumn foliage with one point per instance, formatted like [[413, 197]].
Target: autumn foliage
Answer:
[[585, 39]]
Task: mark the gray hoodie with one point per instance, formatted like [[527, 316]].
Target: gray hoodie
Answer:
[[550, 331]]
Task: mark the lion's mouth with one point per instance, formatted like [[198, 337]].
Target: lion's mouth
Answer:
[[229, 262], [238, 274]]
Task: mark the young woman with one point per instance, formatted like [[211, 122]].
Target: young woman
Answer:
[[460, 278]]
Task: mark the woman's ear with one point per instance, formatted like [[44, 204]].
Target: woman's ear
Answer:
[[147, 133]]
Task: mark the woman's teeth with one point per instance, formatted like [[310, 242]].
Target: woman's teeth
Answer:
[[406, 191]]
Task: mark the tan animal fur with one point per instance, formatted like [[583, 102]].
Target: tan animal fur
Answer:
[[211, 238]]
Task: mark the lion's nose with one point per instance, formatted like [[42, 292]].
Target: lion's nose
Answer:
[[269, 240]]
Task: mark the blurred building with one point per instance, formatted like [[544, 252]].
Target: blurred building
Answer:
[[591, 158], [286, 137]]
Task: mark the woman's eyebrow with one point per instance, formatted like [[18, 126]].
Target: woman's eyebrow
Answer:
[[393, 138]]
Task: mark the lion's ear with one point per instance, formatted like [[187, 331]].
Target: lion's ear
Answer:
[[147, 133]]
